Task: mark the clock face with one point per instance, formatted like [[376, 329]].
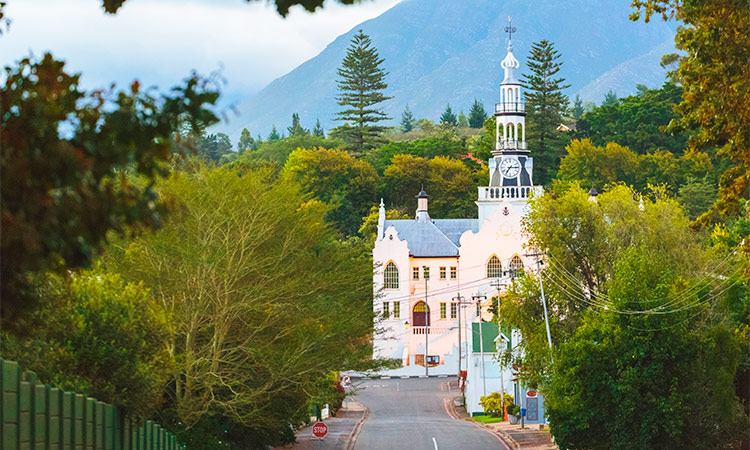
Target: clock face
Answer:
[[510, 167]]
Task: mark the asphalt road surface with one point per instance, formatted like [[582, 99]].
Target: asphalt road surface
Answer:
[[415, 414]]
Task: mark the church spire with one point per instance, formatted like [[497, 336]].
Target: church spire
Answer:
[[510, 63]]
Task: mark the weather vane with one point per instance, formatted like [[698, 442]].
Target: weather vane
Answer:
[[510, 29]]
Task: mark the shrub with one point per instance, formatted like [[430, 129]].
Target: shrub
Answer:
[[492, 404]]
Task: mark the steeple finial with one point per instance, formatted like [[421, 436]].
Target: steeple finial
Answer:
[[510, 29]]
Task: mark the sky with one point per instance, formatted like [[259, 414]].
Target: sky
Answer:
[[160, 42]]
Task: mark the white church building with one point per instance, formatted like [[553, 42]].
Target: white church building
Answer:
[[426, 269]]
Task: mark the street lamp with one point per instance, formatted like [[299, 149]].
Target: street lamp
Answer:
[[426, 324], [498, 284]]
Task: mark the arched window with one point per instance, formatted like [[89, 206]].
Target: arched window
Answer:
[[516, 266], [390, 276], [494, 268], [420, 315]]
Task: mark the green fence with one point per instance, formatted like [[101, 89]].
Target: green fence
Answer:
[[35, 416]]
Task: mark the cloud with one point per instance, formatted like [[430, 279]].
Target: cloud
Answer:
[[161, 41]]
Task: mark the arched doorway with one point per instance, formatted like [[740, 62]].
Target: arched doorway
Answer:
[[421, 315]]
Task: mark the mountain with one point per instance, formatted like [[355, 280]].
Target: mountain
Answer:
[[449, 51]]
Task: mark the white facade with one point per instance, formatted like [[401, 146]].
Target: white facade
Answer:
[[462, 256]]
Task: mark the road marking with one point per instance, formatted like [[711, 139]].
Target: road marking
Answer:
[[385, 378], [445, 405], [397, 387], [442, 376], [405, 376], [434, 442], [441, 386]]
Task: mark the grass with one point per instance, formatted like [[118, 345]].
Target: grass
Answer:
[[487, 419]]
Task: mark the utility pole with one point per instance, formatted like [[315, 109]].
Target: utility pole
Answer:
[[459, 300], [544, 302], [426, 325], [478, 299], [497, 284]]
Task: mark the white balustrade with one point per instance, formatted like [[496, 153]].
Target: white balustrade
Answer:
[[431, 330], [510, 107], [508, 192]]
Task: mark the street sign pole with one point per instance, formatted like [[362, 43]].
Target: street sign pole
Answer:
[[478, 298]]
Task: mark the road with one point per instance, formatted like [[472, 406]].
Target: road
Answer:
[[415, 414]]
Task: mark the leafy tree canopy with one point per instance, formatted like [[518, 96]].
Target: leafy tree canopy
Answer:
[[448, 117], [282, 6], [477, 114], [637, 121], [64, 162], [346, 184], [425, 148]]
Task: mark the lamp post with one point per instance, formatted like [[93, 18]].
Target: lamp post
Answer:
[[478, 298], [459, 303], [426, 325]]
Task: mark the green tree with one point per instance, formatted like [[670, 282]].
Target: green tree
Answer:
[[274, 135], [266, 302], [99, 336], [213, 146], [599, 167], [577, 110], [296, 129], [318, 130], [463, 121], [346, 184], [282, 6], [477, 114], [545, 105], [246, 142], [697, 197], [637, 121], [448, 117], [716, 101], [407, 120], [361, 84], [610, 98], [426, 148], [449, 182], [62, 192]]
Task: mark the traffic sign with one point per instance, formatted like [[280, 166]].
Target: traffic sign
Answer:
[[531, 393], [320, 429]]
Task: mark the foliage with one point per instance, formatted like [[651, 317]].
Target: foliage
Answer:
[[577, 110], [462, 121], [407, 120], [486, 144], [713, 73], [647, 381], [697, 197], [265, 301], [212, 147], [296, 129], [545, 106], [369, 228], [318, 130], [273, 135], [637, 121], [278, 150], [449, 182], [97, 335], [477, 114], [446, 145], [246, 142], [448, 117], [334, 177], [64, 159], [360, 86], [493, 404], [598, 167], [282, 6]]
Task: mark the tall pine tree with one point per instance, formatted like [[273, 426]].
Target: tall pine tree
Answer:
[[407, 120], [318, 130], [361, 85], [448, 116], [477, 115], [545, 105], [296, 128]]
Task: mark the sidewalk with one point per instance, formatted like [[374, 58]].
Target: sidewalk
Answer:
[[341, 429], [529, 438]]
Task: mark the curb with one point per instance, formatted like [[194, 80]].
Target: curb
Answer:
[[358, 428]]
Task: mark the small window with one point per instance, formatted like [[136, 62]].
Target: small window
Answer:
[[442, 273], [415, 273], [386, 312], [396, 310], [494, 268], [454, 310], [516, 266], [390, 276], [454, 273], [442, 310], [426, 273]]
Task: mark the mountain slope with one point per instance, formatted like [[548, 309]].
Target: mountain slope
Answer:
[[449, 51]]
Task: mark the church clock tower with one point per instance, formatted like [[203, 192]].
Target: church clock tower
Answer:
[[510, 165]]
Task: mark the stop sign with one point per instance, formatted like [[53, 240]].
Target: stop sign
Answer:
[[320, 429]]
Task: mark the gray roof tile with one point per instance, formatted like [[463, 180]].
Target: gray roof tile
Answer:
[[436, 238]]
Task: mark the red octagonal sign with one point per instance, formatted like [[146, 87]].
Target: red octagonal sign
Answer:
[[320, 429]]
